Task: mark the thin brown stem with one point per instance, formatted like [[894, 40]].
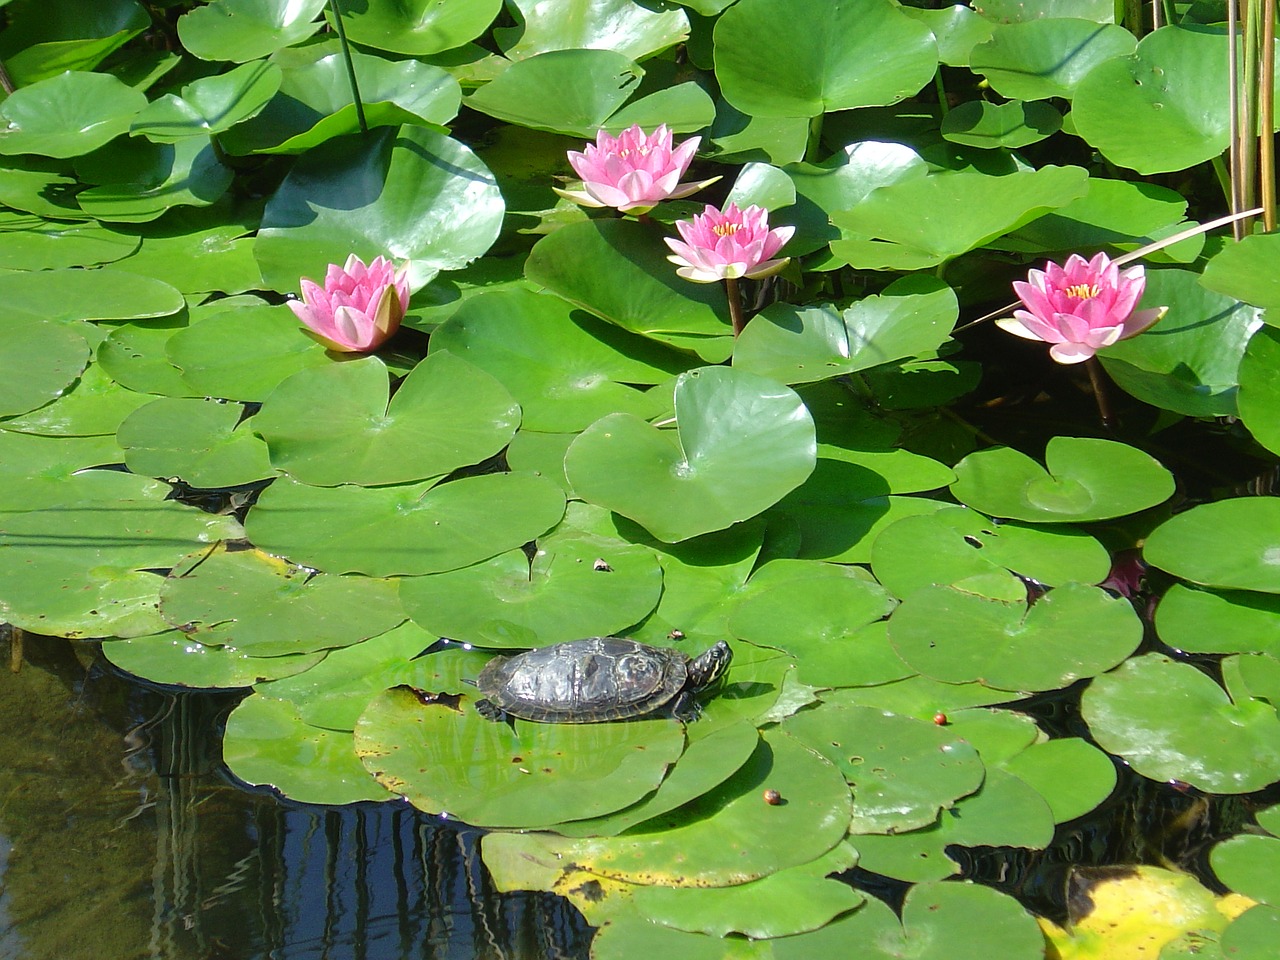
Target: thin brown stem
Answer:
[[15, 649], [735, 305], [5, 80], [1098, 379], [1266, 116]]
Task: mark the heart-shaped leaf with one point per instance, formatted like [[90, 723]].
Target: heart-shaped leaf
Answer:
[[244, 30], [333, 424], [1086, 479], [202, 441], [1231, 543], [418, 27], [867, 53], [621, 25], [412, 195], [1171, 721], [1037, 59], [68, 115], [209, 105], [956, 636], [742, 443]]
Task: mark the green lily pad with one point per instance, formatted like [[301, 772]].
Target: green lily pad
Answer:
[[41, 358], [1073, 631], [445, 758], [918, 696], [913, 316], [567, 369], [1249, 865], [620, 25], [726, 837], [333, 424], [965, 209], [33, 243], [133, 355], [1037, 59], [708, 761], [203, 442], [1005, 812], [840, 510], [67, 115], [40, 186], [1252, 935], [977, 123], [404, 530], [42, 40], [562, 91], [101, 294], [138, 181], [267, 743], [418, 27], [265, 607], [864, 658], [952, 544], [209, 105], [1230, 543], [617, 270], [785, 903], [1243, 270], [334, 693], [97, 405], [412, 195], [868, 53], [1259, 398], [173, 659], [1170, 721], [804, 616], [1188, 362], [956, 29], [244, 30], [314, 101], [903, 771], [1078, 485], [575, 586], [243, 353], [1154, 111], [1072, 775], [742, 442], [1212, 621], [1118, 214], [38, 471]]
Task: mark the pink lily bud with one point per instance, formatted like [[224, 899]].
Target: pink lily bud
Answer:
[[1080, 307], [633, 171], [725, 245], [358, 308]]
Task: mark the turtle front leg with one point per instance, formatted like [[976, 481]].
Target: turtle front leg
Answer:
[[685, 707], [488, 710]]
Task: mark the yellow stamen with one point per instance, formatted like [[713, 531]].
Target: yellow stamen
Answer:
[[1082, 291], [725, 229]]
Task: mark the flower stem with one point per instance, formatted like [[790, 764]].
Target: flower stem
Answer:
[[351, 69], [735, 304], [1099, 381]]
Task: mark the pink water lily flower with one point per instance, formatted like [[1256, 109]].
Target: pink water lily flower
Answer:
[[728, 244], [1080, 307], [633, 171], [358, 308]]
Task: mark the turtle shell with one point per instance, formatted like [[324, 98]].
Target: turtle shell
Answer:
[[584, 681]]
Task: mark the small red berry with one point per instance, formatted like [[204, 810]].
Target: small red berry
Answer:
[[940, 719]]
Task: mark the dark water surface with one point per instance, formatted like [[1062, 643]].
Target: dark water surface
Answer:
[[120, 838]]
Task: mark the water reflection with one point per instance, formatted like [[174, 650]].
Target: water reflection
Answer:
[[119, 838]]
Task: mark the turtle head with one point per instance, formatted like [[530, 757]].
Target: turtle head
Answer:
[[708, 668]]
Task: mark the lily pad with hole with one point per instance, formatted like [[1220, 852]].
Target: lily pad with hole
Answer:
[[903, 771], [954, 543], [741, 443]]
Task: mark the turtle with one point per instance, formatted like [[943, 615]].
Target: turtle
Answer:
[[595, 679]]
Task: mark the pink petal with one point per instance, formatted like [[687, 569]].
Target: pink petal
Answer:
[[1140, 321], [1071, 352]]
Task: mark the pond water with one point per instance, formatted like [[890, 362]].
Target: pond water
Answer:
[[121, 837]]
